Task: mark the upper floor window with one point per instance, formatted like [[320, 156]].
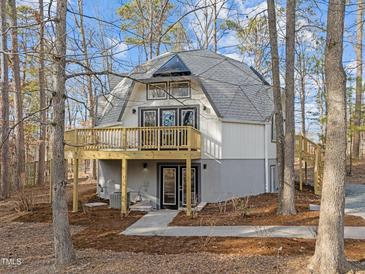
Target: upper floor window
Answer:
[[180, 89], [156, 91]]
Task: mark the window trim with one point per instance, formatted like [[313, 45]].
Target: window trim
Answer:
[[195, 111], [180, 82], [156, 83], [147, 110], [178, 108]]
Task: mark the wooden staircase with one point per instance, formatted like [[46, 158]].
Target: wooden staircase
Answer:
[[310, 154]]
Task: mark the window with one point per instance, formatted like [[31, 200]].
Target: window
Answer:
[[273, 131], [149, 118], [180, 89], [188, 117], [157, 91], [273, 184]]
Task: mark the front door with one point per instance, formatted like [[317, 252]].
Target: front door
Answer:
[[173, 186], [169, 182]]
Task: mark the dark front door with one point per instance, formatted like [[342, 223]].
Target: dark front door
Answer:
[[169, 187], [173, 186]]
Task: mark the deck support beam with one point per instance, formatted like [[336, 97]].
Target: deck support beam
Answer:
[[75, 196], [188, 186], [123, 188]]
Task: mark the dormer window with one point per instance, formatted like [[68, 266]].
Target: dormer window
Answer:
[[157, 91], [180, 89]]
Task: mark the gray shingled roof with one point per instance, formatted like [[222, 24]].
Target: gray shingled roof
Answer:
[[234, 90]]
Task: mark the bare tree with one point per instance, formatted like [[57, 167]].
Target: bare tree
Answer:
[[64, 251], [329, 254], [4, 104], [277, 91], [302, 73], [19, 130], [215, 15], [42, 98], [359, 86], [287, 190], [90, 93]]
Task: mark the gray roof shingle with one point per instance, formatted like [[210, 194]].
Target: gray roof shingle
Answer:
[[235, 91]]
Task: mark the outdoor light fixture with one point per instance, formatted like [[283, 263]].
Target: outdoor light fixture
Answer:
[[134, 111], [204, 166], [204, 107], [144, 166]]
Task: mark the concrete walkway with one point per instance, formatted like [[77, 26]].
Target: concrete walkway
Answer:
[[156, 224]]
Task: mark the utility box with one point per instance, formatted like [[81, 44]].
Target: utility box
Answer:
[[115, 200]]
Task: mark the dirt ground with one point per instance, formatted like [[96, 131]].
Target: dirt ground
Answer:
[[101, 249], [259, 210]]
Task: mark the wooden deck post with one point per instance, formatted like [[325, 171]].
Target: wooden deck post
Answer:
[[123, 188], [316, 170], [301, 162], [75, 196], [188, 186]]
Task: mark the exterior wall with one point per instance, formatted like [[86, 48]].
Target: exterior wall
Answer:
[[140, 181], [247, 141], [236, 157], [225, 179], [209, 124]]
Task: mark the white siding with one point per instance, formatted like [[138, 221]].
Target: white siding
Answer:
[[243, 141]]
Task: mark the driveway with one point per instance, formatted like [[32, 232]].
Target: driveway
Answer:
[[355, 199]]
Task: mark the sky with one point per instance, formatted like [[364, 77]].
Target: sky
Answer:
[[128, 56]]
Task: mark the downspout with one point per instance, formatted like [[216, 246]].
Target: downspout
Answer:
[[266, 156]]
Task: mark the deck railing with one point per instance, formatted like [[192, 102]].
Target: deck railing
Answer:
[[308, 152], [134, 138]]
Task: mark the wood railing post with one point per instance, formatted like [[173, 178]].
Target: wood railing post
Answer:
[[124, 138], [189, 138]]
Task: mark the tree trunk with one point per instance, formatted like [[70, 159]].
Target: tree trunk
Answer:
[[4, 105], [287, 192], [150, 37], [42, 99], [358, 104], [277, 91], [90, 93], [329, 253], [19, 130], [215, 42], [64, 252], [302, 67]]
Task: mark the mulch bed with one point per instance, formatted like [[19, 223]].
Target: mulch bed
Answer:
[[259, 210], [101, 228]]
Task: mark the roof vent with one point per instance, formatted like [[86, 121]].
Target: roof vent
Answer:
[[173, 67]]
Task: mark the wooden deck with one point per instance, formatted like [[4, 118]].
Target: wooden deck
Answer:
[[132, 143]]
